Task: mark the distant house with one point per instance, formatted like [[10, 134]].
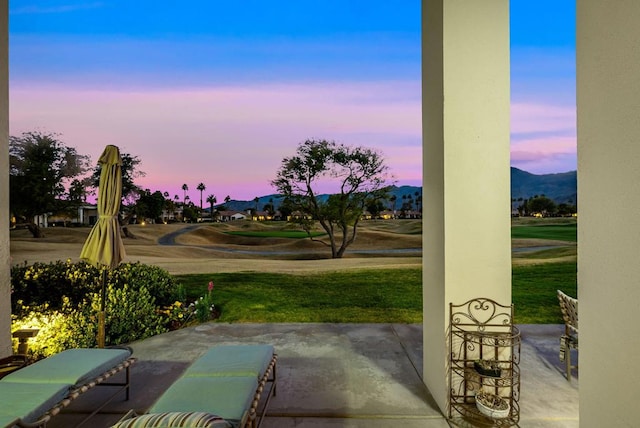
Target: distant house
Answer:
[[86, 215], [297, 215], [231, 215], [366, 215], [261, 216], [387, 215], [411, 214], [170, 216]]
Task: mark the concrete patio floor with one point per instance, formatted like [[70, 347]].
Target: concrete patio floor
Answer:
[[338, 375]]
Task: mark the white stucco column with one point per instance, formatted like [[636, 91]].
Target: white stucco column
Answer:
[[608, 92], [466, 163], [5, 285]]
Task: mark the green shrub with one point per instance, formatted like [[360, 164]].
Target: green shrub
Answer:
[[130, 315], [59, 329], [50, 283], [43, 283], [160, 285], [62, 299]]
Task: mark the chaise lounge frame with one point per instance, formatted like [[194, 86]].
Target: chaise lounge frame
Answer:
[[253, 416], [76, 390]]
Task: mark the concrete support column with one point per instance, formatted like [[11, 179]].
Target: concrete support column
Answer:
[[5, 260], [608, 91], [466, 166]]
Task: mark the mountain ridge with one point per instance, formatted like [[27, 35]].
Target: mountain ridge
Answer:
[[560, 187]]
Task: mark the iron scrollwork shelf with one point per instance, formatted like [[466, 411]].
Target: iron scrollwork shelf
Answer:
[[481, 334]]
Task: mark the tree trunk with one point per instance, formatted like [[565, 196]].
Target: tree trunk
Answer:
[[35, 230], [127, 233]]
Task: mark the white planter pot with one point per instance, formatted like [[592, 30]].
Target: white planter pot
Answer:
[[490, 412]]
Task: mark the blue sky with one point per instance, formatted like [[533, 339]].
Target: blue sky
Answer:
[[220, 91]]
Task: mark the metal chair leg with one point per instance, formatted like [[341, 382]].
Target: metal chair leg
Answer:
[[567, 360]]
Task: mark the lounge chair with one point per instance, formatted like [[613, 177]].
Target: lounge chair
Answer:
[[11, 363], [31, 396], [223, 388], [569, 340]]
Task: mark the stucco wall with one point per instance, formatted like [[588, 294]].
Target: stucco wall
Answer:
[[5, 286], [608, 88], [466, 174]]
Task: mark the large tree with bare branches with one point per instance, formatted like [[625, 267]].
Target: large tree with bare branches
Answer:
[[357, 176]]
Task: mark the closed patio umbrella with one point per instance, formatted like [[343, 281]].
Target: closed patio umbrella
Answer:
[[104, 246]]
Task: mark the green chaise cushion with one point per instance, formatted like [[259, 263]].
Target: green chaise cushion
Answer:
[[232, 360], [175, 420], [28, 401], [73, 366], [228, 397]]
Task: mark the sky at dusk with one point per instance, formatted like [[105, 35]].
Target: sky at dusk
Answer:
[[219, 92]]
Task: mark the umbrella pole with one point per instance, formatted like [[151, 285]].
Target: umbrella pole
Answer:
[[101, 320]]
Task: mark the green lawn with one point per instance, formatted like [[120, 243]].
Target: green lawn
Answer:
[[366, 296], [562, 232], [534, 291]]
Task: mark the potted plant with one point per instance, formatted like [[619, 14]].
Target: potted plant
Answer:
[[492, 405], [488, 367]]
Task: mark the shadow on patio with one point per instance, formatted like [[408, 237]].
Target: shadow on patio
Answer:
[[341, 375]]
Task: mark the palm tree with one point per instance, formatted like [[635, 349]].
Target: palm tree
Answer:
[[167, 203], [201, 187], [211, 199], [184, 189]]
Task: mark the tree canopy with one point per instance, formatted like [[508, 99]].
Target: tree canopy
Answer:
[[43, 175], [358, 175]]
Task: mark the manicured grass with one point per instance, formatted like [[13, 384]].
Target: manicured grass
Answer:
[[366, 296], [363, 296], [534, 291], [294, 234], [384, 295], [562, 232]]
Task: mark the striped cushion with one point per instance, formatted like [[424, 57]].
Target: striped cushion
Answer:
[[174, 420]]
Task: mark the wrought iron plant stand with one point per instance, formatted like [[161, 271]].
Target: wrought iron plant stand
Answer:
[[484, 373]]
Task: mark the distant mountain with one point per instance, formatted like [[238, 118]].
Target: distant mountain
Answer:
[[561, 187], [396, 191]]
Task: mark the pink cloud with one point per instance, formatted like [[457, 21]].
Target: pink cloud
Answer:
[[543, 138], [527, 118], [545, 155], [231, 138]]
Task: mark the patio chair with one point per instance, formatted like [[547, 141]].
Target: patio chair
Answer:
[[223, 388], [569, 340], [32, 395], [12, 363]]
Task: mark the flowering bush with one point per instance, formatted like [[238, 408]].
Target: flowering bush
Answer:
[[176, 315], [204, 307], [180, 314]]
